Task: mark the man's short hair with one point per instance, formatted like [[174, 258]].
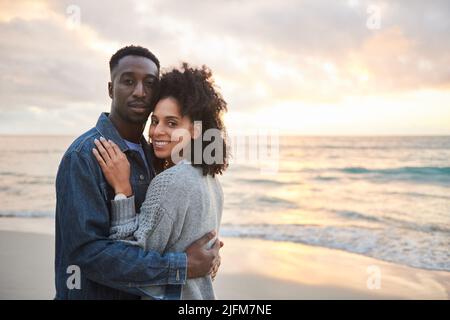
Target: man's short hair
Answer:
[[131, 51]]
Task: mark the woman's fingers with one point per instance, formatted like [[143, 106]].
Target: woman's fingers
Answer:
[[108, 147], [99, 158], [102, 151], [116, 148]]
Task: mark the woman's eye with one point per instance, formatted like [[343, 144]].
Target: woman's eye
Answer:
[[154, 122], [172, 124]]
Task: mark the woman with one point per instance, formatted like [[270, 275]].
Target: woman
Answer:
[[185, 199]]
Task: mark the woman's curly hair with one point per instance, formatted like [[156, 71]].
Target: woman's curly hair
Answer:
[[198, 98]]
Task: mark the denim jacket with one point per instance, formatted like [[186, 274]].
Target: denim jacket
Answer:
[[88, 265]]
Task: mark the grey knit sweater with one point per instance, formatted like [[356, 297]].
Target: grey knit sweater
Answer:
[[181, 205]]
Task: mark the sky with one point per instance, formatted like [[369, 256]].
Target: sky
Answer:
[[311, 67]]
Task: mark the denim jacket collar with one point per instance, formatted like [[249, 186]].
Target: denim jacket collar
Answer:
[[106, 129]]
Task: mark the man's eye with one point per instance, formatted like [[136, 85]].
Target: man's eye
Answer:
[[149, 83], [129, 82]]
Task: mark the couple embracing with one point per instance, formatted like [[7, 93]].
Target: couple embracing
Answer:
[[136, 220]]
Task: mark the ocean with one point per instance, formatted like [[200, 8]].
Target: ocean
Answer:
[[383, 197]]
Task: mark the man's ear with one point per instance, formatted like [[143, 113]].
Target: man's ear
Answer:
[[110, 89]]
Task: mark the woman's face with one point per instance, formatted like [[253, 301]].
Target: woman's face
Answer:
[[168, 128]]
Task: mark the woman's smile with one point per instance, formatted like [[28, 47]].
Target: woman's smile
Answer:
[[160, 143]]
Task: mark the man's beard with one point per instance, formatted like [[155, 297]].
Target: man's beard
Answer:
[[134, 119]]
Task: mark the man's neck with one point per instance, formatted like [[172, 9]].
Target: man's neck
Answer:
[[128, 131]]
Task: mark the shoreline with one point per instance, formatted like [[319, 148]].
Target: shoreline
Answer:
[[251, 269]]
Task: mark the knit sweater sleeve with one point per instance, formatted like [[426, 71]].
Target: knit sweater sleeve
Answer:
[[138, 228], [124, 221], [155, 222]]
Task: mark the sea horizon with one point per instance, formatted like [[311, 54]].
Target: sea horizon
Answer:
[[382, 197]]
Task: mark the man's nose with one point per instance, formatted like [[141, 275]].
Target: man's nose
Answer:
[[139, 90]]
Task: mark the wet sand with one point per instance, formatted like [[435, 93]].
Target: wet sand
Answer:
[[251, 269]]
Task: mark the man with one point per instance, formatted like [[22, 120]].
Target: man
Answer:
[[88, 265]]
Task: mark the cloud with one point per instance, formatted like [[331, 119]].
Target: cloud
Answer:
[[262, 53], [46, 65]]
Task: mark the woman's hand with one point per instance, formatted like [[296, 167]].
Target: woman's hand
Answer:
[[114, 164]]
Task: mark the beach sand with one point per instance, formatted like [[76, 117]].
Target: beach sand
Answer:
[[251, 269]]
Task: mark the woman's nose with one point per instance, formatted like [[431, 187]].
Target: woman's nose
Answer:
[[159, 130]]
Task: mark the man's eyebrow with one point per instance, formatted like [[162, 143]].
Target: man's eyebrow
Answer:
[[126, 74], [129, 73]]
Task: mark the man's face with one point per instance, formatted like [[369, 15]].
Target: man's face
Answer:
[[132, 88]]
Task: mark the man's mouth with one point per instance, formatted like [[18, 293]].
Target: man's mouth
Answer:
[[137, 105]]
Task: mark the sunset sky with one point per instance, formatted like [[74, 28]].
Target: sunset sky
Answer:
[[349, 67]]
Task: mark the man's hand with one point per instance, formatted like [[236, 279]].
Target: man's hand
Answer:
[[201, 261], [216, 265]]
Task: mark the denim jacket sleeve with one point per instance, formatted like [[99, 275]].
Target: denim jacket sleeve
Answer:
[[84, 219]]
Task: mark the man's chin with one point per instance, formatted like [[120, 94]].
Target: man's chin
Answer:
[[138, 119]]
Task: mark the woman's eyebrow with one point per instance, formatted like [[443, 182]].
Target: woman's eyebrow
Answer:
[[172, 117]]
